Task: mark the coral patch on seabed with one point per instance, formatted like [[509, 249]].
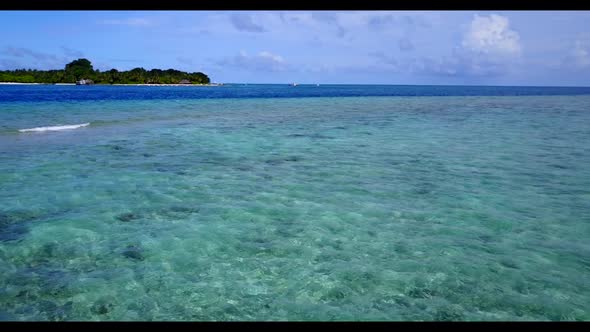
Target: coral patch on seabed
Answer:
[[133, 252], [127, 217]]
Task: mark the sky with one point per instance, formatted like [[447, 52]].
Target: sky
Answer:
[[538, 48]]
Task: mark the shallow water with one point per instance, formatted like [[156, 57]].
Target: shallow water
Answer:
[[316, 208]]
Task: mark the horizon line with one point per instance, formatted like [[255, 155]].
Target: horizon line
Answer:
[[320, 84], [395, 84]]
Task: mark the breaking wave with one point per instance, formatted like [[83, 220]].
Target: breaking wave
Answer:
[[55, 128]]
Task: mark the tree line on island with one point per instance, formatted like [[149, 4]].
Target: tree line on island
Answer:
[[82, 70]]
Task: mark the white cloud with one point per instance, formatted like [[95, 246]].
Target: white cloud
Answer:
[[489, 48], [263, 61], [271, 57], [132, 21], [21, 52], [184, 60], [385, 59], [580, 56], [492, 35], [405, 44], [71, 52], [34, 59], [457, 64], [11, 64], [244, 22], [361, 25]]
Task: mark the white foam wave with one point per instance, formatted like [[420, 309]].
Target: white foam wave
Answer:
[[55, 128]]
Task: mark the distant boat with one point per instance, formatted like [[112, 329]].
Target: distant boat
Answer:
[[84, 82]]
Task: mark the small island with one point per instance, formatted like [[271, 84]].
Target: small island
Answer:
[[81, 72]]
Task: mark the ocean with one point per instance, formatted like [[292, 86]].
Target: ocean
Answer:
[[307, 203]]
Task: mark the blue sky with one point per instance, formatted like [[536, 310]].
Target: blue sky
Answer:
[[369, 47]]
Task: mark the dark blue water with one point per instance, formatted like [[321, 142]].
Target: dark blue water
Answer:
[[19, 93]]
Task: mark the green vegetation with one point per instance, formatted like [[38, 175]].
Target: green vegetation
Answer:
[[82, 69]]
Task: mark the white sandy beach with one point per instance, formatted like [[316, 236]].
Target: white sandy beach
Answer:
[[213, 84], [16, 83]]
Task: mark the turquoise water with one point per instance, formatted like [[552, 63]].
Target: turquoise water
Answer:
[[317, 208]]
